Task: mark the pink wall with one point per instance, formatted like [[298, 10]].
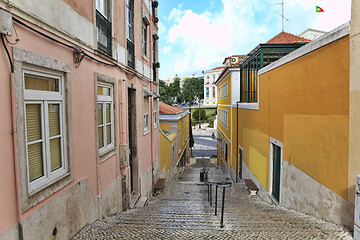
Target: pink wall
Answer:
[[7, 179], [83, 112], [107, 172]]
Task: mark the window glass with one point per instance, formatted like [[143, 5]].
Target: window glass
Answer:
[[41, 83], [54, 119], [105, 118], [103, 91], [35, 161], [55, 153], [33, 122]]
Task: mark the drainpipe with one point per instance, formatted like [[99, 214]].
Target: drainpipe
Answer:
[[14, 150], [239, 165]]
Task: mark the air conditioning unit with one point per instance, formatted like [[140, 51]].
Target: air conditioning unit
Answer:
[[357, 209]]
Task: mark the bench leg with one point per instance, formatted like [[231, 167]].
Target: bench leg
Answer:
[[253, 192]]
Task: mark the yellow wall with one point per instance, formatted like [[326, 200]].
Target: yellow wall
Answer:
[[354, 108], [179, 138], [221, 87], [305, 105], [224, 132]]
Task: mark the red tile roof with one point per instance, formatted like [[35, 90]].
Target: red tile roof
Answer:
[[285, 37], [164, 108], [217, 68]]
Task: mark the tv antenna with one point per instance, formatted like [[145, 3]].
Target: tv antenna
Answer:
[[282, 14]]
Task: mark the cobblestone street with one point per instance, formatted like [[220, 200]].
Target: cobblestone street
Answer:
[[182, 211]]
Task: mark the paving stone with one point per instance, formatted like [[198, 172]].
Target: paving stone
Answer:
[[182, 211]]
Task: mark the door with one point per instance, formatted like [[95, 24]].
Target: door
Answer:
[[226, 152], [132, 140], [276, 159], [173, 154], [240, 162]]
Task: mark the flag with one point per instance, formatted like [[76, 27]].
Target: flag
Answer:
[[319, 9]]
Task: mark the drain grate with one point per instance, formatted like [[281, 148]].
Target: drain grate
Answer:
[[186, 192]]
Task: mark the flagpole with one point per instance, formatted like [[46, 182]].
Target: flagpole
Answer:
[[282, 17]]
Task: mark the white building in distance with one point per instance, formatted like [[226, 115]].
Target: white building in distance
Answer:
[[210, 92]]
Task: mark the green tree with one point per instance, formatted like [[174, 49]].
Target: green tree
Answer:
[[164, 91], [193, 88], [174, 89], [170, 93], [195, 114]]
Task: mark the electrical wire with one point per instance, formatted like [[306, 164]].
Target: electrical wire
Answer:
[[78, 51], [8, 54]]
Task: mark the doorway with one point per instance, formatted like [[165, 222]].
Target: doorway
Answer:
[[173, 155], [240, 160], [275, 168], [133, 164]]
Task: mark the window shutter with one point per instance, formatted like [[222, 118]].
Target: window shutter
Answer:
[[35, 161], [54, 130], [35, 152], [146, 105], [55, 153]]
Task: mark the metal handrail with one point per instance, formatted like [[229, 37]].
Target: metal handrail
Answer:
[[222, 185]]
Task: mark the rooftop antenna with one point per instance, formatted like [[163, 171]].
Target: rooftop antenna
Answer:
[[282, 14]]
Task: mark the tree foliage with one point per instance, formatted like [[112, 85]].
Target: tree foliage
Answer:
[[195, 114], [170, 94], [193, 88]]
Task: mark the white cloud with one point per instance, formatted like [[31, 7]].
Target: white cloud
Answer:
[[335, 13], [162, 29], [202, 40], [176, 13], [166, 49], [206, 38]]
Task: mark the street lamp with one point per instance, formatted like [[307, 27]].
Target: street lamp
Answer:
[[199, 115]]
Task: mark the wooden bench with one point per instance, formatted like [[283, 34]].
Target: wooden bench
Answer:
[[251, 186], [159, 184]]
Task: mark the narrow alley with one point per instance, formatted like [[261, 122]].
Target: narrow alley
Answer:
[[182, 211]]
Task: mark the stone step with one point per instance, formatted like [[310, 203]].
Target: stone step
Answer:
[[134, 199], [141, 202]]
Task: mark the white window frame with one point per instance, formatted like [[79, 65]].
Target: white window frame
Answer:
[[44, 98], [146, 117], [129, 20], [103, 6], [106, 100], [144, 40], [155, 119]]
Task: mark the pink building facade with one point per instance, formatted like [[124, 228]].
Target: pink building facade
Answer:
[[79, 112]]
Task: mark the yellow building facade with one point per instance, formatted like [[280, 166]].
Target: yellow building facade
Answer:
[[293, 141], [174, 140], [226, 84]]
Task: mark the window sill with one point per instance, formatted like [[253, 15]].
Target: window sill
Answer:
[[107, 154], [105, 55], [48, 184], [33, 198], [146, 131], [250, 106], [145, 58]]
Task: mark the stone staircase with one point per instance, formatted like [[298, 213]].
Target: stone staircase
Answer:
[[182, 211]]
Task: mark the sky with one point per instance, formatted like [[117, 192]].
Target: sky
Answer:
[[197, 35]]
